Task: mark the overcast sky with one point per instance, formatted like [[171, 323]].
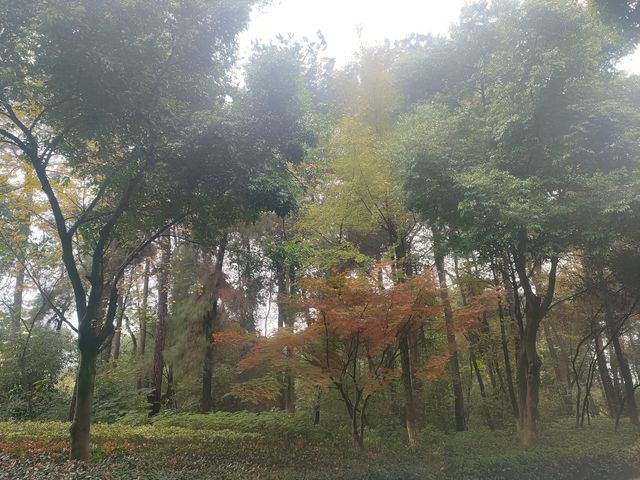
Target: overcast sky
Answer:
[[377, 20]]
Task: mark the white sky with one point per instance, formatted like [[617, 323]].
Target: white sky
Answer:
[[340, 20]]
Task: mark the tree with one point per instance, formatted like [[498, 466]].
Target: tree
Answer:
[[352, 341], [86, 86], [501, 168]]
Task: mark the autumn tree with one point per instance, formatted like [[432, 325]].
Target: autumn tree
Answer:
[[501, 166], [351, 343]]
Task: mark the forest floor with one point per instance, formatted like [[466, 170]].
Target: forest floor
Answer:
[[38, 450]]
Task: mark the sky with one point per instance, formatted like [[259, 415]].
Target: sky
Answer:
[[376, 20], [340, 20]]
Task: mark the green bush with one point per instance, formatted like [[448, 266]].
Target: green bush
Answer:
[[563, 453], [275, 445], [276, 425]]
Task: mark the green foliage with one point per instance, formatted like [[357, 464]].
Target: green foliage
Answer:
[[276, 425], [116, 395], [241, 447], [563, 453], [31, 366]]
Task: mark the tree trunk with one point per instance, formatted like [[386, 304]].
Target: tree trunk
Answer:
[[605, 379], [507, 362], [85, 383], [285, 289], [454, 366], [409, 394], [560, 369], [18, 290], [316, 411], [206, 398], [16, 308], [289, 394], [528, 373], [161, 328], [623, 364], [144, 308], [553, 353], [169, 394], [483, 393], [281, 281], [72, 407], [117, 336]]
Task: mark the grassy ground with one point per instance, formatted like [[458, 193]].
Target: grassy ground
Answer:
[[239, 447]]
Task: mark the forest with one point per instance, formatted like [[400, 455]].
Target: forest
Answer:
[[423, 264]]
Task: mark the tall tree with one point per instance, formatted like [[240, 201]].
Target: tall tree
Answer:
[[86, 85], [502, 165]]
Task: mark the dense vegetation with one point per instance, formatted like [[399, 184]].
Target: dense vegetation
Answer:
[[425, 264]]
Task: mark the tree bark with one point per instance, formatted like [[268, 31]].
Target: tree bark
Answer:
[[623, 363], [281, 282], [528, 364], [560, 365], [169, 394], [507, 362], [16, 308], [72, 407], [117, 336], [409, 394], [85, 383], [145, 306], [528, 373], [454, 365], [206, 398], [485, 405], [18, 290], [605, 379], [285, 279], [161, 327]]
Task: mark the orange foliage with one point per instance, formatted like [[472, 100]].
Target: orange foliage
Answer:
[[351, 336], [469, 316]]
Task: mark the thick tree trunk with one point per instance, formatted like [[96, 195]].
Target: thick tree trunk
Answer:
[[72, 407], [528, 366], [528, 373], [161, 327], [85, 383], [454, 365]]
